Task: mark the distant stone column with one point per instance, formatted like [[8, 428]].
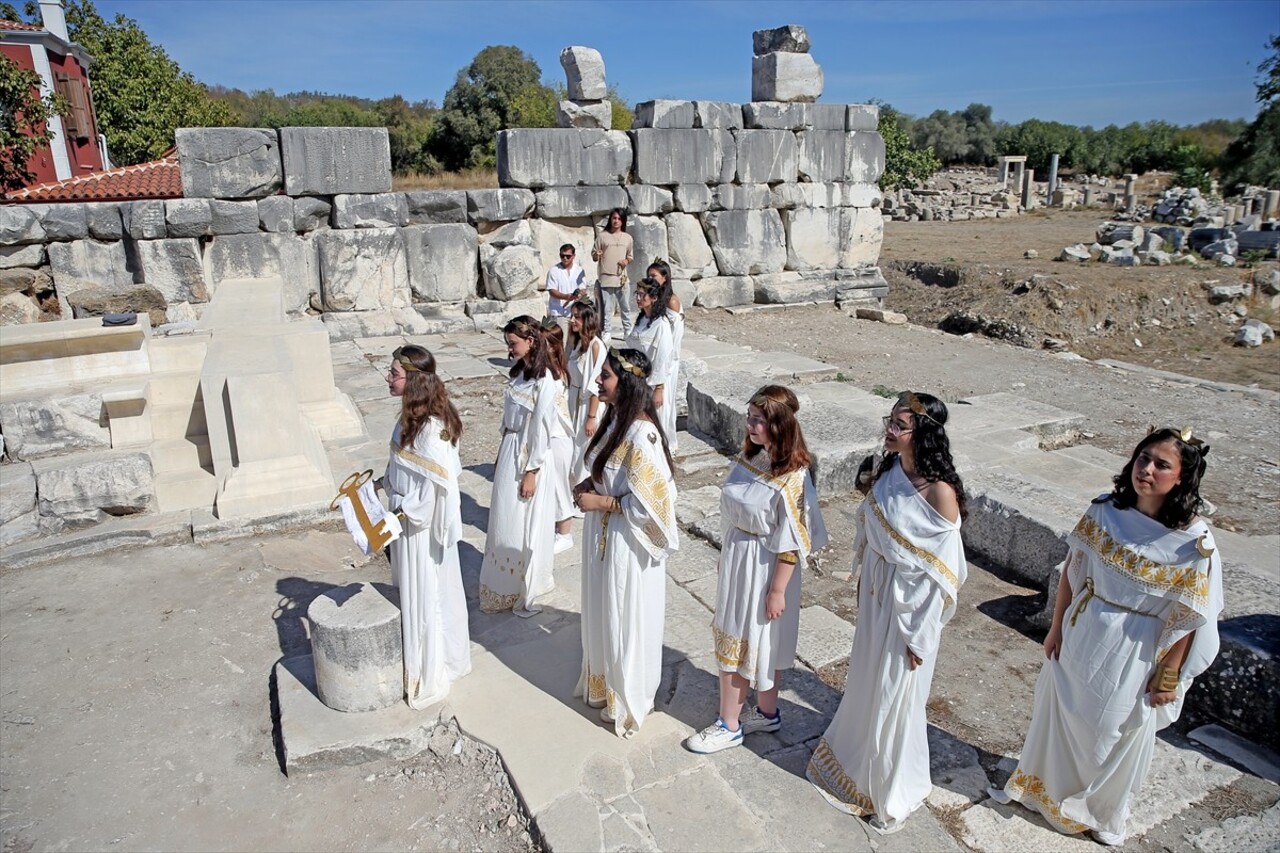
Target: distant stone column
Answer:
[[1130, 193], [1271, 204], [1053, 179], [357, 649], [1028, 189], [1088, 196]]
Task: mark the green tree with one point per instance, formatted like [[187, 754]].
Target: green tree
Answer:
[[140, 95], [480, 103], [24, 122], [904, 164], [1254, 158]]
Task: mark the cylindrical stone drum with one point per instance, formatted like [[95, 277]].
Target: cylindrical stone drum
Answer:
[[356, 646]]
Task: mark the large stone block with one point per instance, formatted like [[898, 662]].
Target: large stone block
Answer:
[[143, 220], [510, 272], [725, 292], [792, 38], [362, 270], [746, 242], [443, 262], [86, 263], [717, 115], [862, 117], [776, 115], [669, 156], [436, 207], [544, 157], [18, 516], [375, 210], [808, 194], [63, 221], [785, 77], [518, 233], [188, 217], [694, 198], [310, 214], [829, 116], [861, 236], [17, 309], [229, 162], [566, 202], [790, 288], [16, 257], [276, 213], [864, 156], [18, 225], [93, 301], [234, 217], [52, 425], [80, 491], [649, 234], [741, 197], [333, 160], [174, 267], [291, 257], [547, 236], [766, 156], [691, 255], [813, 237], [860, 195], [661, 113], [498, 205], [646, 199], [821, 155], [584, 73], [585, 114]]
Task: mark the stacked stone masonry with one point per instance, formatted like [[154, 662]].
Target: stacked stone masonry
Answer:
[[766, 201]]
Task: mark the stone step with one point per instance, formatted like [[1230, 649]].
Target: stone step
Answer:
[[173, 388], [184, 353], [192, 489], [1005, 410], [175, 421], [174, 456]]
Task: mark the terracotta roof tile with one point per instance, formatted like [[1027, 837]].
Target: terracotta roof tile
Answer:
[[157, 179], [14, 25]]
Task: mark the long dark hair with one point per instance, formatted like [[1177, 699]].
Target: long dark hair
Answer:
[[585, 311], [1183, 501], [668, 289], [538, 361], [555, 348], [634, 398], [622, 215], [787, 449], [425, 396], [660, 295], [929, 444]]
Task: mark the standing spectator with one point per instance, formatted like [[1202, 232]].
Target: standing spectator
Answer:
[[566, 283], [612, 252]]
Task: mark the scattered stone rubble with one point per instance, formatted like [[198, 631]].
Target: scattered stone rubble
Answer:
[[1128, 244], [955, 195]]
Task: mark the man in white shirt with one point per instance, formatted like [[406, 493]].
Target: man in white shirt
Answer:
[[566, 282]]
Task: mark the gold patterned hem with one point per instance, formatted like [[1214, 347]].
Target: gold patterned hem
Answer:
[[825, 772], [1030, 791], [595, 687], [492, 602], [649, 484], [1188, 581], [422, 462], [612, 703], [913, 548], [731, 651]]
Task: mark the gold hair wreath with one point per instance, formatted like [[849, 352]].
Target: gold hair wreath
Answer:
[[409, 366], [912, 402], [625, 364], [1186, 436]]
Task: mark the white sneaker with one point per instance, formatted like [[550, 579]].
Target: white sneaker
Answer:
[[1110, 839], [753, 720], [713, 738], [564, 542]]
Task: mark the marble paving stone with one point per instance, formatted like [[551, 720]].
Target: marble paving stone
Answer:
[[695, 504], [723, 821], [1247, 832], [824, 637], [1177, 779], [993, 828], [695, 559], [1257, 759]]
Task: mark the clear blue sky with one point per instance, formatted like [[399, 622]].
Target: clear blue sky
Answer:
[[1076, 61]]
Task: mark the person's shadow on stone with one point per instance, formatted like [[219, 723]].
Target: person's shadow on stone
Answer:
[[296, 595]]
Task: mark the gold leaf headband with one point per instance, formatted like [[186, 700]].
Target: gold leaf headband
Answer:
[[625, 364], [409, 366], [586, 301], [912, 402], [1186, 436]]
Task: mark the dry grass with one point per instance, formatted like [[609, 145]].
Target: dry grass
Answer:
[[467, 179], [1232, 801]]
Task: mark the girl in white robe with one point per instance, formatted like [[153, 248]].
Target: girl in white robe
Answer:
[[652, 334], [873, 759], [769, 522], [518, 557], [1135, 621], [561, 440], [586, 357], [660, 271], [421, 483], [629, 531]]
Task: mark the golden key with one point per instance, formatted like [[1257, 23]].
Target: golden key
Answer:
[[378, 535]]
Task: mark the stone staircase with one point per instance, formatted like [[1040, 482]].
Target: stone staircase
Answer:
[[180, 453]]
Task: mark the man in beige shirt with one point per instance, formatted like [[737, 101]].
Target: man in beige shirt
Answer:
[[612, 252]]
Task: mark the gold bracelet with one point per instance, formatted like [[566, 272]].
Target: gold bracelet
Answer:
[[616, 506], [789, 557], [1166, 680]]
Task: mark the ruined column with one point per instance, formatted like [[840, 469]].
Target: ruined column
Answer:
[[1271, 204], [1053, 179], [1130, 193], [1028, 189], [1088, 196], [356, 646]]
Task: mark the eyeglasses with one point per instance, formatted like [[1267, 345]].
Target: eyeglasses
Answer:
[[566, 256], [893, 427], [755, 420]]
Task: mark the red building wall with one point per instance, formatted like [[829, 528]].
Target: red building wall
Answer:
[[80, 126]]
